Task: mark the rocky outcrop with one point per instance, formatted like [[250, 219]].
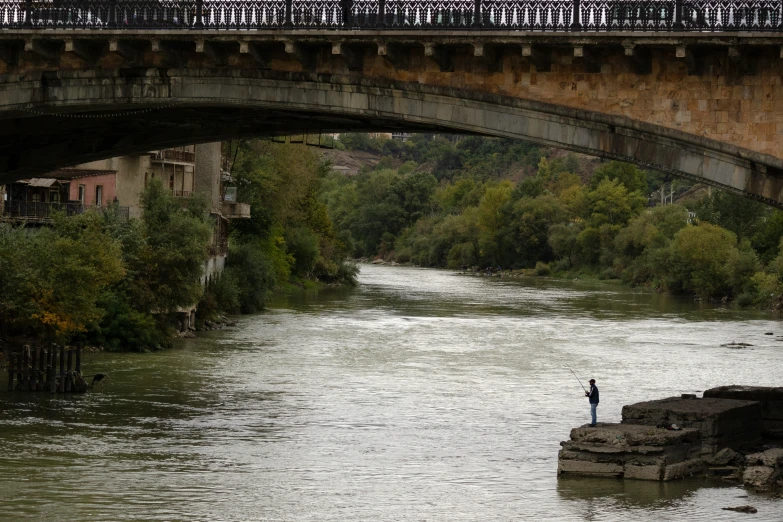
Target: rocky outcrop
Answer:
[[722, 423], [763, 469], [633, 452], [771, 400]]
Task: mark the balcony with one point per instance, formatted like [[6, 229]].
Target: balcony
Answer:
[[37, 212], [174, 156], [233, 210], [181, 193]]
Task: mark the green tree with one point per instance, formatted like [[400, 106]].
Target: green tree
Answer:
[[741, 215], [491, 220], [627, 174], [698, 260], [527, 228], [54, 277]]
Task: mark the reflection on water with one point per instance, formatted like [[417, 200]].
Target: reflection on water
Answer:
[[420, 395]]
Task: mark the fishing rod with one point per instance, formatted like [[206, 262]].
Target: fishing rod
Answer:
[[577, 378]]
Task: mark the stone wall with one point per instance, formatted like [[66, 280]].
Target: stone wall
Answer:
[[632, 452], [722, 423], [771, 400], [207, 178]]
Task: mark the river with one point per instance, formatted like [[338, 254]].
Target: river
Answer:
[[419, 395]]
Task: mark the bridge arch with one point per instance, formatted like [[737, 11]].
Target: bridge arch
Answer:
[[78, 116]]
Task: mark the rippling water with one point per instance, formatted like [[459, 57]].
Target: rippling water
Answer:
[[420, 395]]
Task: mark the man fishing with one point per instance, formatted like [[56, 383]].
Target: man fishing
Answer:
[[593, 396]]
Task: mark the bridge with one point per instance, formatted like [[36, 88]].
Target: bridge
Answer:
[[692, 88]]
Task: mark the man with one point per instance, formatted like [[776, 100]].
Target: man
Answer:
[[593, 397]]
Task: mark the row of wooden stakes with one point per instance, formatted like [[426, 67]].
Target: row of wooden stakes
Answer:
[[35, 369]]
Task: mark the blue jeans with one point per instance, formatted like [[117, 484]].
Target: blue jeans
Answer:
[[592, 411]]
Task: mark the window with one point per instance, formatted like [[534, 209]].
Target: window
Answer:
[[36, 197], [81, 194], [54, 196], [146, 178], [171, 182], [99, 195]]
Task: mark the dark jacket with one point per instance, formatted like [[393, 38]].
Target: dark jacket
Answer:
[[593, 394]]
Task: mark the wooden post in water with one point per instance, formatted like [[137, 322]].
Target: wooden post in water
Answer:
[[19, 380], [26, 369], [79, 358], [11, 369], [61, 386], [43, 356], [52, 372], [69, 379], [33, 360]]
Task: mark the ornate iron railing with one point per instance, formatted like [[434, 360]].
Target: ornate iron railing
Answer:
[[522, 15]]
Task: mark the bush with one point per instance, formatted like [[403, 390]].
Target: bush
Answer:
[[302, 244], [542, 269]]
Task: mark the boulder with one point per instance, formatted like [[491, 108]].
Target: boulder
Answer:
[[771, 457], [761, 478], [724, 457]]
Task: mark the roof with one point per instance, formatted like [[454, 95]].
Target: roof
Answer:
[[79, 173], [42, 182]]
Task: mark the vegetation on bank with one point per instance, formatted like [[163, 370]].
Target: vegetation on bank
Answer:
[[96, 279], [442, 201], [289, 240]]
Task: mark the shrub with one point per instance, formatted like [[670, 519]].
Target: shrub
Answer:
[[542, 269]]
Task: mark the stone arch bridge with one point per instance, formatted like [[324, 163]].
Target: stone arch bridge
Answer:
[[693, 89]]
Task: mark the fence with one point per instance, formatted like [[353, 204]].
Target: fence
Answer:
[[523, 15], [36, 369], [38, 211]]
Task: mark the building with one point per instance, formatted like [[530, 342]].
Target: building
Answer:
[[186, 171], [33, 201]]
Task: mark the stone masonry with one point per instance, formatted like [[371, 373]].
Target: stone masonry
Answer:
[[722, 423], [771, 400], [632, 452], [708, 106]]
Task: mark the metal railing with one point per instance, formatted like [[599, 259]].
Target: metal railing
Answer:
[[523, 15], [38, 212], [181, 156]]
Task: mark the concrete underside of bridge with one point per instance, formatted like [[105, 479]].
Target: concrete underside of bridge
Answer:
[[715, 115]]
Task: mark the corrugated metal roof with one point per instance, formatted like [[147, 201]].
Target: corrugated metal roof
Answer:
[[42, 182], [79, 173]]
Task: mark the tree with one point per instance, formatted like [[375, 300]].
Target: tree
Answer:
[[491, 220], [168, 263], [698, 260], [741, 215], [626, 174], [526, 232], [610, 207], [53, 278]]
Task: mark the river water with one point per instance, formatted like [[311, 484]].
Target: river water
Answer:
[[420, 395]]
